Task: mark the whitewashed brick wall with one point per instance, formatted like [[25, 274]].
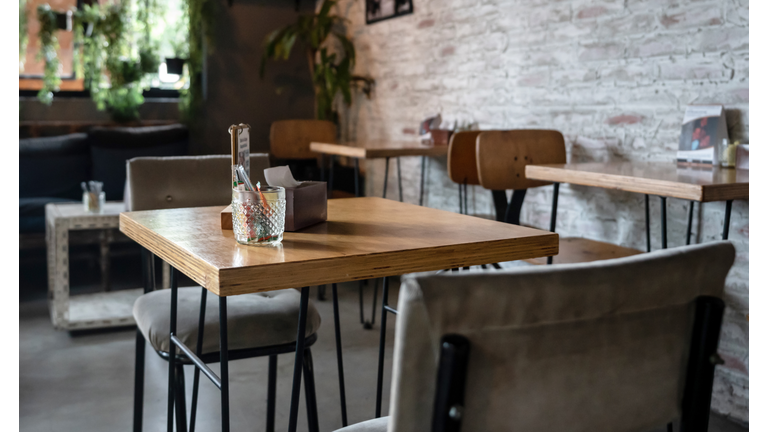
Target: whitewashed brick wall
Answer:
[[613, 76]]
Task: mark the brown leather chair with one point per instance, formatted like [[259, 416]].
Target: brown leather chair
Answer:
[[262, 324], [501, 160], [625, 345]]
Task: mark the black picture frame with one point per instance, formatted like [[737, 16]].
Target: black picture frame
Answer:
[[375, 10]]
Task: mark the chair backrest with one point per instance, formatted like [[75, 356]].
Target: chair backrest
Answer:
[[577, 347], [155, 183], [462, 163], [290, 139], [503, 155]]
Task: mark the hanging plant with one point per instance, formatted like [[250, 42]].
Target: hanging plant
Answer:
[[200, 16], [49, 45], [23, 34], [331, 74]]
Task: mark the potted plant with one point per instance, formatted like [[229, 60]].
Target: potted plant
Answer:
[[49, 45], [175, 65], [331, 73]]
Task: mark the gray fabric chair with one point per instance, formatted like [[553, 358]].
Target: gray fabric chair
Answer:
[[622, 345], [261, 324]]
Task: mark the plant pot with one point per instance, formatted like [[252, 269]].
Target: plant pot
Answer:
[[64, 20], [174, 65], [441, 137]]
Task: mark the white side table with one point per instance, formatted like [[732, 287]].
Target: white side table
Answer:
[[87, 311]]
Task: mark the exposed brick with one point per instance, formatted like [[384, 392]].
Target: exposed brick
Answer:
[[624, 119], [613, 76], [426, 23]]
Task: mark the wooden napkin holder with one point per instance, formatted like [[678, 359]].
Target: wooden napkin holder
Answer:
[[305, 205]]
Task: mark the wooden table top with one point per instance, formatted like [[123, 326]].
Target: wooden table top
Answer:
[[663, 179], [378, 149], [364, 238]]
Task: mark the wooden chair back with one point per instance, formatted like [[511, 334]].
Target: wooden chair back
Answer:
[[290, 139], [462, 163], [503, 155]]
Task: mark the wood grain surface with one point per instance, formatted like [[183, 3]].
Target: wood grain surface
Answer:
[[580, 250], [364, 238], [462, 161], [503, 155], [378, 149], [663, 179], [289, 139]]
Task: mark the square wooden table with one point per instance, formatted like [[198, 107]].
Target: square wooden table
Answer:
[[661, 179], [377, 149], [363, 238]]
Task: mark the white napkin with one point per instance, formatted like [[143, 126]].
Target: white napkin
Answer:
[[280, 176]]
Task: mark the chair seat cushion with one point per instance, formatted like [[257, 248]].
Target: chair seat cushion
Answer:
[[254, 320], [375, 425]]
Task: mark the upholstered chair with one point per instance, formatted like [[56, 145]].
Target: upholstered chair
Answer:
[[623, 345], [261, 324]]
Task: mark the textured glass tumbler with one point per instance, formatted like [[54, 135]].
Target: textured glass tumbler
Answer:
[[94, 203], [259, 219]]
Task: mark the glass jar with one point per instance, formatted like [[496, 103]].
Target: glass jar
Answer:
[[94, 202], [258, 218]]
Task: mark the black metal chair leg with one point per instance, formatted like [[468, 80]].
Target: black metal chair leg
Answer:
[[138, 385], [727, 221], [181, 405], [399, 180], [647, 223], [382, 342], [199, 352], [224, 363], [690, 223], [172, 349], [512, 215], [553, 217], [461, 200], [496, 266], [663, 222], [321, 292], [499, 203], [423, 179], [330, 178], [299, 360], [670, 428], [309, 391], [386, 176], [357, 177], [271, 393], [339, 360], [466, 199]]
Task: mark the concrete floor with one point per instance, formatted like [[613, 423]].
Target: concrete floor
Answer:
[[84, 382]]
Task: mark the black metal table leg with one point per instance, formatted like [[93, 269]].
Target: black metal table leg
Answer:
[[224, 360], [382, 342], [172, 349], [321, 292], [309, 391], [299, 360], [727, 221], [423, 177], [196, 376], [690, 223], [148, 276], [386, 176], [399, 180], [553, 217], [357, 177], [339, 360], [647, 223], [180, 393], [330, 178], [663, 222]]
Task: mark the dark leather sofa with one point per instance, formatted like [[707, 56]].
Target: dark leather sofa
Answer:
[[52, 168]]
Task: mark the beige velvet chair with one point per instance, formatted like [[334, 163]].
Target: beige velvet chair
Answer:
[[262, 324], [624, 345]]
